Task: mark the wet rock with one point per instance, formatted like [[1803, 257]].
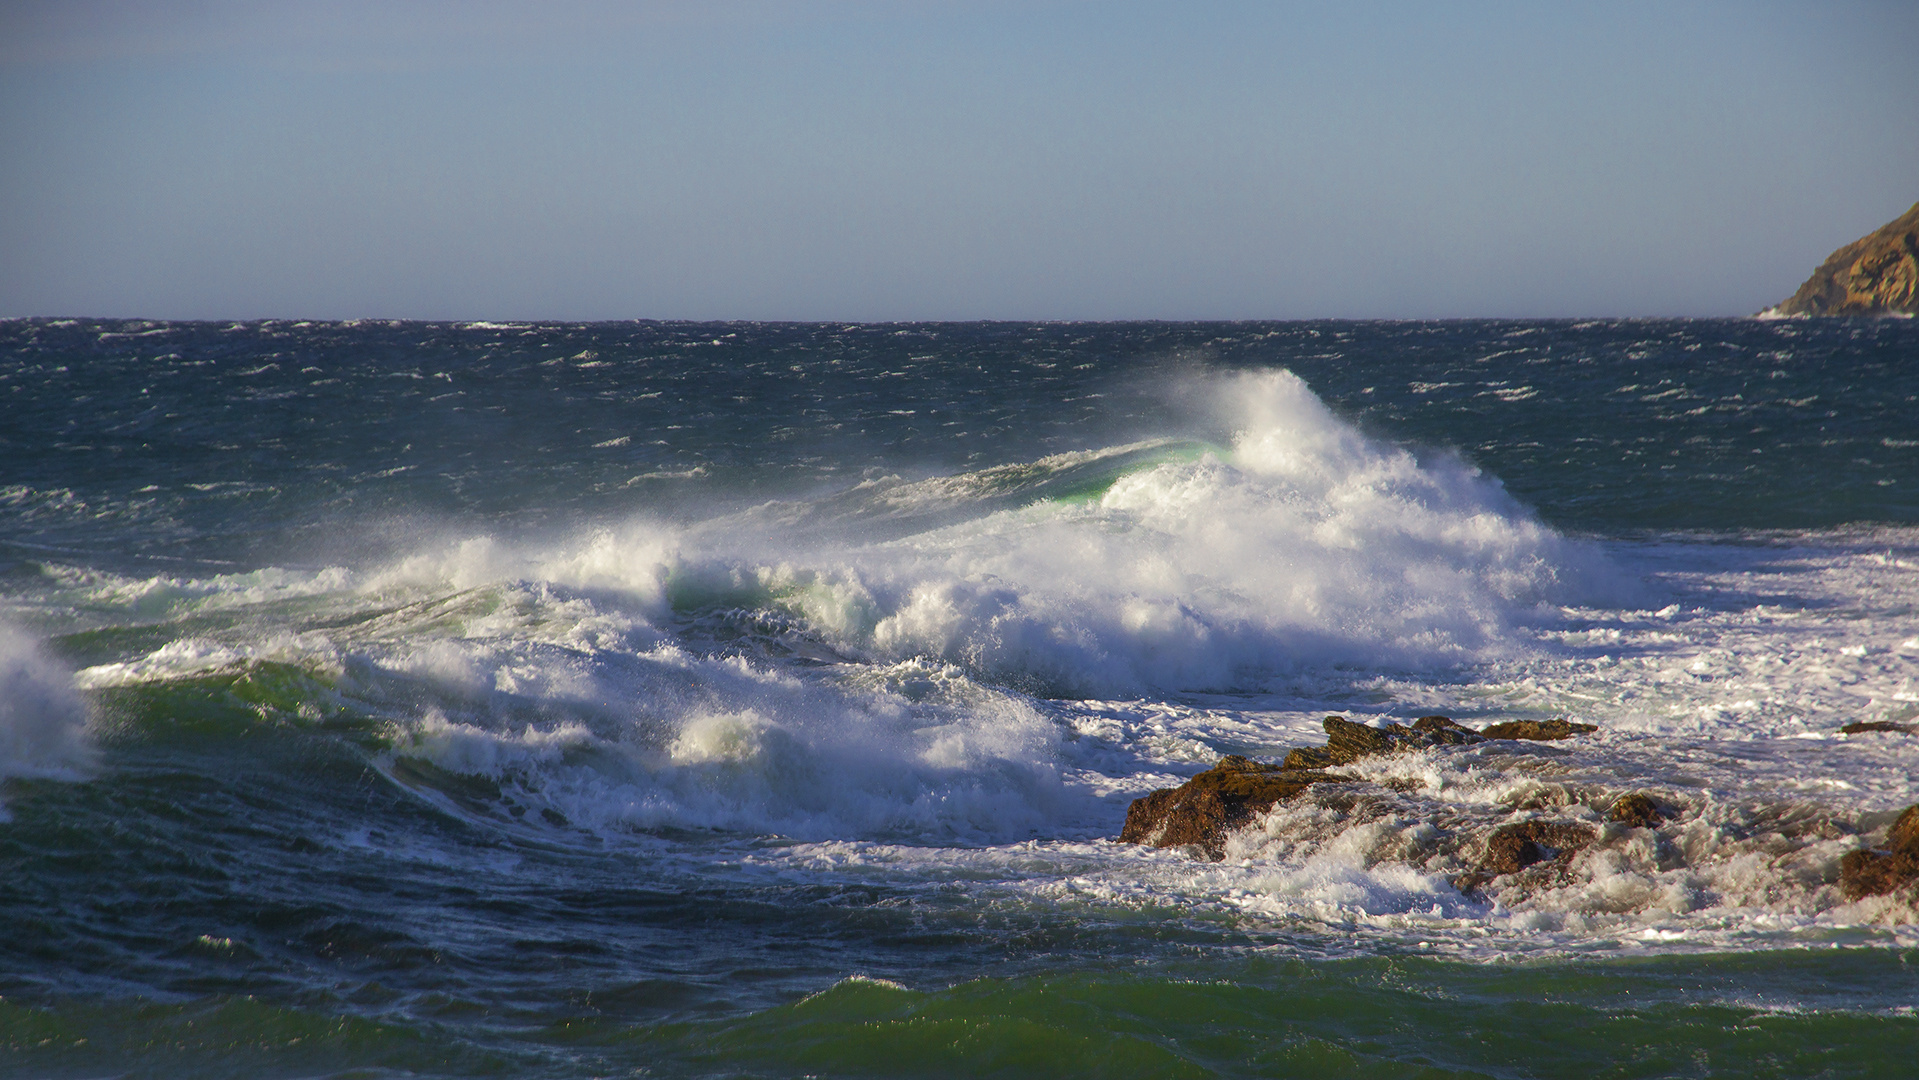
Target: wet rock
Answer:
[[1536, 730], [1203, 811], [1310, 757], [1875, 725], [1513, 848], [1904, 834], [1442, 731], [1875, 872], [1638, 810], [1347, 741]]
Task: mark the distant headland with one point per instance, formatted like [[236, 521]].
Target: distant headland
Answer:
[[1877, 274]]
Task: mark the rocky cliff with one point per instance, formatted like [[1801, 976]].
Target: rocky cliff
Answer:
[[1874, 275]]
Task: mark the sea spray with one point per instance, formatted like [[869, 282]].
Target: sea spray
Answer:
[[559, 670], [1305, 544], [43, 720], [747, 751], [467, 709]]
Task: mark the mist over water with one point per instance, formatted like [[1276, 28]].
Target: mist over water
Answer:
[[644, 680], [42, 719]]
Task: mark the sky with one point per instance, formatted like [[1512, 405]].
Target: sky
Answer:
[[1055, 159]]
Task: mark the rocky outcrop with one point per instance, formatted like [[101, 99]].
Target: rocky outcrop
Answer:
[[1874, 275], [1521, 846], [1876, 871], [1864, 726], [1637, 810], [1347, 741], [1536, 730], [1203, 812], [1539, 836]]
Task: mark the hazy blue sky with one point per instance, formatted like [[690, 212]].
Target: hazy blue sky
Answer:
[[943, 160]]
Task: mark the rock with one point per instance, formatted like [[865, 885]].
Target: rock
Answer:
[[1442, 730], [1309, 757], [1873, 872], [1512, 848], [1347, 741], [1637, 810], [1536, 730], [1904, 834], [1206, 809], [1875, 725], [1203, 811], [1876, 274]]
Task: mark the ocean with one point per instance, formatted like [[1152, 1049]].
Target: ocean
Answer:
[[386, 699]]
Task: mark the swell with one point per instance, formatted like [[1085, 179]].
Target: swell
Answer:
[[1777, 1016], [858, 665], [986, 660], [1361, 1018]]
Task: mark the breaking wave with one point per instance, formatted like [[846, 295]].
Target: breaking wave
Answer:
[[42, 718], [858, 664]]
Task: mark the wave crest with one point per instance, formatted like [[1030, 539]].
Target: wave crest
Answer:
[[43, 719]]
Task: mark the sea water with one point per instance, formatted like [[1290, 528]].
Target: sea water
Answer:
[[674, 699]]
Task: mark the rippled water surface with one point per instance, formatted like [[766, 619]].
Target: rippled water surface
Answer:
[[752, 699]]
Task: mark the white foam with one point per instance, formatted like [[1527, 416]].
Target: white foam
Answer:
[[757, 752], [167, 596], [187, 657], [42, 718], [1306, 544]]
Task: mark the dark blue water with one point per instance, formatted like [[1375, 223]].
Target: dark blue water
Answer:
[[239, 441]]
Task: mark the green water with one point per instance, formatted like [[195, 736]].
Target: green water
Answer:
[[1790, 1015]]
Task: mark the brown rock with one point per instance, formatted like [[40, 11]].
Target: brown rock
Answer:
[[1536, 730], [1206, 809], [1871, 872], [1513, 848], [1904, 834], [1309, 757], [1637, 810], [1874, 275], [1874, 725], [1866, 872], [1347, 741], [1442, 731]]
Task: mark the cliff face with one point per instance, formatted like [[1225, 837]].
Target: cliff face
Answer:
[[1873, 275]]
